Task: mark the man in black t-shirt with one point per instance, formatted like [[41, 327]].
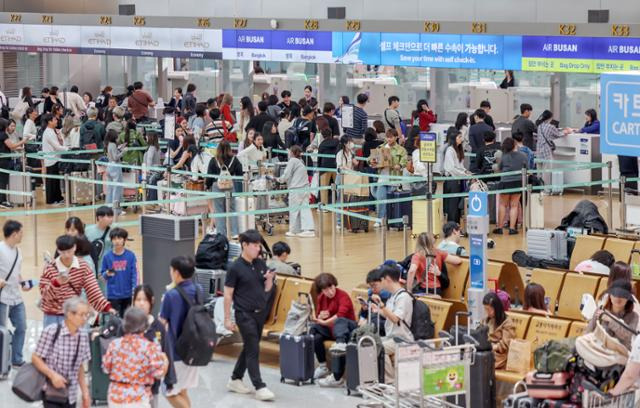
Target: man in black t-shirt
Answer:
[[248, 285]]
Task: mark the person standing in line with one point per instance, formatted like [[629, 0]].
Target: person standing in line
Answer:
[[453, 166], [247, 285], [120, 271], [51, 144], [61, 353], [11, 303], [525, 126], [173, 313], [139, 102], [100, 231], [392, 119], [114, 171], [360, 119], [66, 277], [486, 107], [301, 222]]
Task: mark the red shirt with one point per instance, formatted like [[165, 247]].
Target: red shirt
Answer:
[[138, 103], [339, 305], [425, 119], [228, 117], [421, 262]]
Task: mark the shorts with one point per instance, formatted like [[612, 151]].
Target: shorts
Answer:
[[504, 185], [143, 404], [187, 377]]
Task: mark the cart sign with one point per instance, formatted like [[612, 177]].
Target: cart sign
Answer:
[[444, 381], [620, 100], [428, 147]]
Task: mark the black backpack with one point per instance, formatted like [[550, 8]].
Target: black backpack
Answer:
[[97, 249], [212, 252], [292, 135], [88, 136], [422, 327], [197, 341]]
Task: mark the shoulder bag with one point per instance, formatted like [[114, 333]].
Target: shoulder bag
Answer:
[[15, 260], [225, 183]]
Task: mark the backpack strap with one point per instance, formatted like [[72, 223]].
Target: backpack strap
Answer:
[[184, 296], [412, 299], [104, 236]]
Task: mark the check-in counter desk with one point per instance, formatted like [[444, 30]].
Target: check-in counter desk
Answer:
[[580, 148]]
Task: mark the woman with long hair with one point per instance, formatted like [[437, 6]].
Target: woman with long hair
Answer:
[[453, 166], [225, 163], [547, 133], [254, 153], [462, 124], [228, 120], [423, 116], [247, 111], [501, 328], [512, 160], [592, 124], [131, 138], [114, 152], [534, 299], [152, 159], [427, 264], [75, 227]]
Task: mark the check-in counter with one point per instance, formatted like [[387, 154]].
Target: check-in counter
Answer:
[[580, 148]]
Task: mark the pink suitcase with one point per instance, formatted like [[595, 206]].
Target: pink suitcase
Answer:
[[548, 386]]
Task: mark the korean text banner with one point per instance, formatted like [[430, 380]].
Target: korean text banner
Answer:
[[428, 50], [620, 114]]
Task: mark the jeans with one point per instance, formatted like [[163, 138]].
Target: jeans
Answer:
[[4, 183], [120, 305], [48, 404], [18, 317], [250, 327], [114, 193], [52, 319], [52, 185], [342, 329], [220, 207], [300, 217], [381, 194], [152, 180]]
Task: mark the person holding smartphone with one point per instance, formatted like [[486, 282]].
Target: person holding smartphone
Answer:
[[248, 285]]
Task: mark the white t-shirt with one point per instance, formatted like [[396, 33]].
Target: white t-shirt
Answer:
[[401, 305], [10, 294]]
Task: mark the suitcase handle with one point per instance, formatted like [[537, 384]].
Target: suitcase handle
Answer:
[[468, 315]]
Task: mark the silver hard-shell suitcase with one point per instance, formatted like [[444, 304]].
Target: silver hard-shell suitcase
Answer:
[[547, 244]]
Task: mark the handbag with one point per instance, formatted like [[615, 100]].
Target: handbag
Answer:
[[601, 349], [225, 183], [298, 316], [29, 383], [551, 144], [60, 395]]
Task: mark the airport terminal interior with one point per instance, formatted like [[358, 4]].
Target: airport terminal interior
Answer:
[[477, 160]]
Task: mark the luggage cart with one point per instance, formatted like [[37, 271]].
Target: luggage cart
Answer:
[[429, 373], [593, 398], [132, 194]]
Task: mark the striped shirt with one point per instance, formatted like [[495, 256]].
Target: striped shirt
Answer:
[[360, 121], [54, 293], [59, 353]]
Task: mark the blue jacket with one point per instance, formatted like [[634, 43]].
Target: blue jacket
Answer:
[[592, 128], [122, 284]]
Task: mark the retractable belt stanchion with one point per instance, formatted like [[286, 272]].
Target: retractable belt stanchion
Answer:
[[384, 239], [525, 201], [92, 174], [34, 219], [339, 178], [170, 185], [527, 215], [623, 204], [430, 198], [333, 219], [405, 235], [67, 194], [321, 232], [610, 195], [25, 178], [116, 210], [144, 197], [227, 219], [245, 189]]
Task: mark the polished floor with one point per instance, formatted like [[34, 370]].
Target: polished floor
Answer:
[[355, 255]]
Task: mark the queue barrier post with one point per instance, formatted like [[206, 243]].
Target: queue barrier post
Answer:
[[227, 219], [405, 234], [116, 210], [92, 174], [144, 196], [34, 219], [430, 199], [25, 178], [170, 184], [610, 195], [321, 236], [67, 194], [384, 239], [245, 189], [333, 220], [525, 201], [526, 212], [623, 204]]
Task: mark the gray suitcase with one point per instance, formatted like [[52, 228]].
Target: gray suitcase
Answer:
[[365, 364], [5, 352], [211, 281], [547, 244], [513, 400], [19, 182], [81, 193]]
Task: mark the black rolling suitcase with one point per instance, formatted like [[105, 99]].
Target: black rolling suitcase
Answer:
[[296, 356], [364, 361], [110, 328], [399, 209], [483, 387]]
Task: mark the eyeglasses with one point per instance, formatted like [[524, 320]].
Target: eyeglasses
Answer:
[[83, 315]]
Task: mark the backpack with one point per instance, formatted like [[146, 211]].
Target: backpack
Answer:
[[88, 136], [225, 183], [197, 341], [97, 248], [554, 355], [422, 327], [292, 135], [298, 317], [212, 252]]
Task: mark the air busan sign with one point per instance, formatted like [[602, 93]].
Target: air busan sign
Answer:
[[620, 112]]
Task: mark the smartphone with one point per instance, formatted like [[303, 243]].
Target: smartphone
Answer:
[[362, 301], [27, 284]]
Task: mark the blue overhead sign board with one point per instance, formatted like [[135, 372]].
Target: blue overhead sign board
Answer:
[[620, 114], [267, 45]]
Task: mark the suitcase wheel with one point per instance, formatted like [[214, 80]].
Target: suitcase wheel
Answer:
[[298, 383], [348, 391], [282, 380]]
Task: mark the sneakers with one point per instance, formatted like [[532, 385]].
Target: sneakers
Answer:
[[377, 225], [497, 231], [321, 372], [513, 231], [307, 234], [6, 205], [235, 237], [211, 231], [238, 387], [330, 382], [16, 366], [265, 394], [338, 348], [290, 234]]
